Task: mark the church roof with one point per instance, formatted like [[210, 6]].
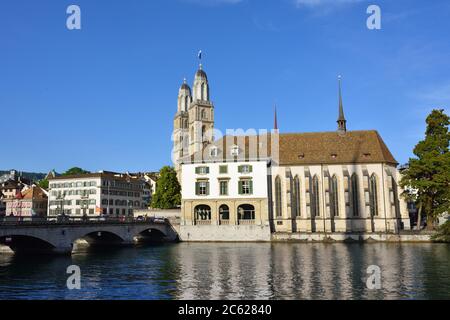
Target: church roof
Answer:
[[352, 147], [334, 148]]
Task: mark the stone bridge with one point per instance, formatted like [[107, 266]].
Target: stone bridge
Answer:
[[59, 238]]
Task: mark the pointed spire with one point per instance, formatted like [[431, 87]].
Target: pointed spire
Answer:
[[342, 123], [275, 122]]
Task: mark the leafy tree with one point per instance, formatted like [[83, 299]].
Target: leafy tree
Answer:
[[429, 172], [43, 184], [168, 190], [443, 233], [75, 171]]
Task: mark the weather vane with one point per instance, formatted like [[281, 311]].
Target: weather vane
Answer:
[[200, 57]]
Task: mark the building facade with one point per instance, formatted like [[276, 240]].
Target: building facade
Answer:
[[96, 194], [29, 203], [247, 187], [9, 188]]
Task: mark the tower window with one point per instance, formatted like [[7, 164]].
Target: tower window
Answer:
[[214, 152], [235, 150]]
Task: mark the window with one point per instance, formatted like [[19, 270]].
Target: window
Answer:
[[373, 196], [223, 169], [354, 193], [246, 212], [315, 209], [334, 203], [278, 210], [245, 169], [223, 187], [234, 150], [202, 170], [246, 187], [213, 152], [202, 188], [296, 197], [202, 212], [224, 212]]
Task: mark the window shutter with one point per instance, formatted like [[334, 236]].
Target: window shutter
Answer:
[[197, 188], [207, 188], [250, 186], [197, 170], [240, 169], [240, 187], [207, 169], [250, 168]]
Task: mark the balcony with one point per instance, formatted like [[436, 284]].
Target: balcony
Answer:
[[246, 222], [225, 222], [203, 222]]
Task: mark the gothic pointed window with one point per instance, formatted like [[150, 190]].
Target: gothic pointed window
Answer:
[[355, 195], [278, 210], [315, 210], [334, 202], [296, 197], [373, 195]]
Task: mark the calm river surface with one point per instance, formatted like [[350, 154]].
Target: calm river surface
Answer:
[[234, 271]]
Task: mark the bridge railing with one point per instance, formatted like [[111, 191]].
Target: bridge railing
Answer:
[[8, 221]]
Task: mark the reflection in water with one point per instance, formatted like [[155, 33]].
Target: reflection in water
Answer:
[[234, 271]]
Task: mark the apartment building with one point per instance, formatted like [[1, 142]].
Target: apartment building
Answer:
[[95, 194]]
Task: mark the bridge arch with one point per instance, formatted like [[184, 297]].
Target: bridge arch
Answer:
[[99, 237], [24, 243], [150, 235]]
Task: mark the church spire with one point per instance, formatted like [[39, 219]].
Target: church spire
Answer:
[[342, 123], [275, 120]]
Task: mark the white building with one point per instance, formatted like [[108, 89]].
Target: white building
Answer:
[[249, 187], [94, 194]]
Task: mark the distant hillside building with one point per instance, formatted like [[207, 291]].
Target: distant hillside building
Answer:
[[248, 187]]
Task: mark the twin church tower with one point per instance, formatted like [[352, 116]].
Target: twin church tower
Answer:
[[194, 120]]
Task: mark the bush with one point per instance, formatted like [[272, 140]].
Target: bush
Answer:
[[443, 233]]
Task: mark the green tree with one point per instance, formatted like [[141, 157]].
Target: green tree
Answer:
[[43, 184], [75, 171], [168, 190], [429, 172]]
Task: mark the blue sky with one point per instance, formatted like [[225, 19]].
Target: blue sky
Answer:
[[104, 97]]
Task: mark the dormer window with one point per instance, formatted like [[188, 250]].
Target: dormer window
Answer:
[[366, 154], [301, 155], [334, 155], [235, 150]]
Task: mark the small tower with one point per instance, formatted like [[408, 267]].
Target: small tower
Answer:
[[342, 123], [181, 124], [201, 113]]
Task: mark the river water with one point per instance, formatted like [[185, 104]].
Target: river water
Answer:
[[234, 271]]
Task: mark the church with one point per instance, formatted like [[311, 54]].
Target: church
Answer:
[[263, 186]]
